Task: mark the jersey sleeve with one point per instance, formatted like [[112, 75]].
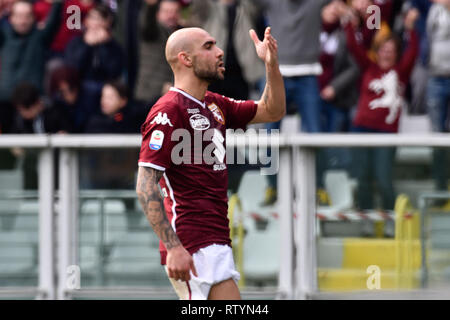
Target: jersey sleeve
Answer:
[[239, 112], [156, 147]]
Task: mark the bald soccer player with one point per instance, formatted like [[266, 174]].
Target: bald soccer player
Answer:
[[186, 201]]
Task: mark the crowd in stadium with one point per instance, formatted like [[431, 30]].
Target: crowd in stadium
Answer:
[[104, 74]]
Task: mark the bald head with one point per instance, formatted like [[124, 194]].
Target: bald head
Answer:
[[193, 55], [182, 40]]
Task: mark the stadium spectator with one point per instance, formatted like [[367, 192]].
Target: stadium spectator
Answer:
[[438, 87], [22, 51], [67, 93], [228, 21], [24, 47], [363, 23], [379, 107], [65, 34], [96, 55], [157, 21], [340, 73], [297, 26], [34, 116], [118, 114], [110, 169], [338, 90]]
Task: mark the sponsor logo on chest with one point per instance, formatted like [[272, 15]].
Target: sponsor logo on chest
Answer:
[[199, 122]]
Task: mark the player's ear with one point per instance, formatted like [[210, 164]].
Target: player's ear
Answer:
[[185, 59]]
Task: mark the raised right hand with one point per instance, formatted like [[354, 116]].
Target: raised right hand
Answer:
[[410, 19]]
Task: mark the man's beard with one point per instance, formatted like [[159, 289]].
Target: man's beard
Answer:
[[207, 75]]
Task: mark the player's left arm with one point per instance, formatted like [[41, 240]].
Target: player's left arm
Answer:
[[272, 105]]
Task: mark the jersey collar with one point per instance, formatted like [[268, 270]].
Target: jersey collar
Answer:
[[187, 95]]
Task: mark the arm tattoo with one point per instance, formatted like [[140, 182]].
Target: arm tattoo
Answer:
[[153, 205]]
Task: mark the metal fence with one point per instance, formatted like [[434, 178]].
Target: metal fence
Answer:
[[298, 263]]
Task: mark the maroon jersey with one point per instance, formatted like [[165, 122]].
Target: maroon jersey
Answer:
[[185, 138]]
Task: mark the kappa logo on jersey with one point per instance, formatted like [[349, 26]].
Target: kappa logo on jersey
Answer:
[[156, 140], [218, 115], [199, 122], [161, 118]]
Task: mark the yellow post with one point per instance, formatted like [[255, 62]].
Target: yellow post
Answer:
[[400, 207], [238, 251], [406, 226]]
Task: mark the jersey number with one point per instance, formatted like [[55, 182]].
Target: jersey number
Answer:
[[218, 140]]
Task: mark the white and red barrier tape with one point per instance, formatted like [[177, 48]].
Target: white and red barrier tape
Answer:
[[350, 215], [372, 215]]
